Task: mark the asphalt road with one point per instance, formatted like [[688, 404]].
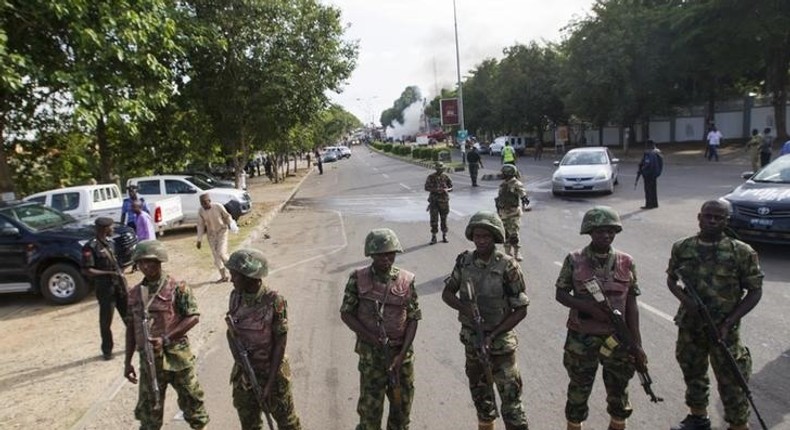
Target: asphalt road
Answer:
[[317, 241]]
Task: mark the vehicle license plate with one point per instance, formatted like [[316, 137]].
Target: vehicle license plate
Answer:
[[577, 186], [761, 222]]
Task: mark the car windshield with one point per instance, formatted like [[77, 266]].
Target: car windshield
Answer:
[[776, 172], [583, 158], [203, 185], [37, 217]]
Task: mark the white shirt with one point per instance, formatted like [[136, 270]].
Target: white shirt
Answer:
[[714, 137]]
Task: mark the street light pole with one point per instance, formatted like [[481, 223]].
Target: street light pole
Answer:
[[460, 87]]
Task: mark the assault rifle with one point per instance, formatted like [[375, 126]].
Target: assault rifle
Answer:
[[483, 354], [148, 349], [623, 335], [713, 334], [638, 175], [242, 357], [392, 375]]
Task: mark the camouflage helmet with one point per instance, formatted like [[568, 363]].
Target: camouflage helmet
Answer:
[[380, 241], [488, 220], [150, 249], [600, 216], [509, 170], [438, 165], [249, 262]]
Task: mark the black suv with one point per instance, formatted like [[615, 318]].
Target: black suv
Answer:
[[41, 250]]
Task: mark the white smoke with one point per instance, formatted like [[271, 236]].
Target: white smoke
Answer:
[[411, 122]]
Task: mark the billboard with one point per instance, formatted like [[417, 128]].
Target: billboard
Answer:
[[449, 108]]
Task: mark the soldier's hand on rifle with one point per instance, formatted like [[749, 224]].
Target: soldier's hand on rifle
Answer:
[[467, 311], [640, 359], [129, 373], [596, 310], [157, 342], [267, 391], [397, 362], [725, 327]]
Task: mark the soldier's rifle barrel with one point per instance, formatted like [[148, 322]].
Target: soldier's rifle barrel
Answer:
[[242, 357]]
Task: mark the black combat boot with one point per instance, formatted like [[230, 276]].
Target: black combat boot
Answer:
[[433, 238], [444, 237], [693, 422]]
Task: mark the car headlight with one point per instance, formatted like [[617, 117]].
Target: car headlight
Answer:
[[556, 177], [602, 175]]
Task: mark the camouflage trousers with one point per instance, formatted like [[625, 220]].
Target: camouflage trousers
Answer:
[[190, 397], [373, 386], [439, 211], [281, 404], [511, 220], [694, 351], [581, 359], [508, 382]]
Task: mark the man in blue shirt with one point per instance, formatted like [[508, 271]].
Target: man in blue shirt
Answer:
[[128, 216]]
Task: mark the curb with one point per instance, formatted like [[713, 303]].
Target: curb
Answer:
[[264, 224]]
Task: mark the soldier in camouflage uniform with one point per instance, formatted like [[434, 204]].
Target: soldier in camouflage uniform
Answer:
[[722, 269], [510, 201], [489, 284], [100, 265], [173, 310], [590, 340], [260, 317], [380, 306], [438, 184]]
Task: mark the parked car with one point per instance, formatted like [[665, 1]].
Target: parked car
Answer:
[[761, 205], [189, 189], [41, 251], [345, 151], [585, 170], [210, 179], [84, 203]]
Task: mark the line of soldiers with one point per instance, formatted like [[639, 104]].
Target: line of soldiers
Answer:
[[487, 288]]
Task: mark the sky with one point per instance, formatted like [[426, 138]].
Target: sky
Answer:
[[412, 42]]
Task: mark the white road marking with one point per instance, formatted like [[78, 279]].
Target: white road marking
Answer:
[[405, 186], [657, 312], [558, 263], [385, 175], [457, 213]]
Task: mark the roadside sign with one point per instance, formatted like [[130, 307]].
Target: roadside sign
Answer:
[[462, 135], [449, 109]]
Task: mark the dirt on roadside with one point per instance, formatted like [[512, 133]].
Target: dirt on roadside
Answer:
[[52, 375]]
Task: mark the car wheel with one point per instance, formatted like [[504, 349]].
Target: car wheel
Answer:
[[63, 284], [555, 193], [609, 190], [616, 180]]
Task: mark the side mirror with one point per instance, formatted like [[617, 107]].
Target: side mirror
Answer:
[[9, 231], [556, 163], [747, 175]]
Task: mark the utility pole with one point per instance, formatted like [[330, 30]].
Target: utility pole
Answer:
[[460, 87]]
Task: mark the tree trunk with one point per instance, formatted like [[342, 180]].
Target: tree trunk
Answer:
[[6, 180], [105, 154], [777, 85]]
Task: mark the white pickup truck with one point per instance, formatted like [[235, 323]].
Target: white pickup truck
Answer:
[[189, 189]]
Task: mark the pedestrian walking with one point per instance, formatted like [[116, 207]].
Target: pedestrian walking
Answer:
[[127, 214], [714, 142], [753, 148], [510, 204], [258, 326], [100, 265], [726, 275], [538, 149], [214, 221], [380, 306], [766, 147], [438, 185], [319, 162], [487, 289], [165, 309], [594, 282], [650, 169], [474, 163]]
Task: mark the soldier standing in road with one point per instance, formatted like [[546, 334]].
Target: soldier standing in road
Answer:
[[173, 310], [100, 265], [214, 220], [753, 148], [591, 335], [259, 315], [650, 168], [510, 202], [474, 163], [722, 270], [438, 184], [487, 289], [380, 306]]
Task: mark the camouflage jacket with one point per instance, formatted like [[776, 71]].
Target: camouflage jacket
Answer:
[[435, 184]]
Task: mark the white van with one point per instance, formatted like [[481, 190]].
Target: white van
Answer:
[[189, 189], [84, 202]]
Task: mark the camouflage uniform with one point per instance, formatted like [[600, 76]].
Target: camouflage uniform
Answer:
[[508, 204], [501, 276], [589, 341], [110, 290], [175, 364], [721, 272], [438, 200], [372, 361]]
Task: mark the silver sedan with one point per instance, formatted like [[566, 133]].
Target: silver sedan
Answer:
[[585, 170]]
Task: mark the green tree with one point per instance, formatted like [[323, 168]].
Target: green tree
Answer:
[[395, 114]]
